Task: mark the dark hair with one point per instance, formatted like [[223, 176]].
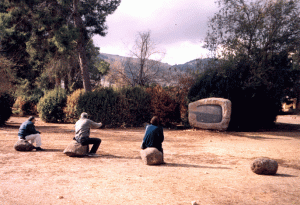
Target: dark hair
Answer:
[[154, 121], [31, 118]]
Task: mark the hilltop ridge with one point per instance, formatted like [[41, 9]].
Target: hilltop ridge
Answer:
[[190, 64]]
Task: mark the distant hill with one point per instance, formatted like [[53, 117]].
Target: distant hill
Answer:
[[111, 57], [182, 67], [192, 65], [166, 70]]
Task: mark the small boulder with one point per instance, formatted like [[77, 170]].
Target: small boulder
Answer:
[[23, 145], [75, 149], [151, 156], [264, 166]]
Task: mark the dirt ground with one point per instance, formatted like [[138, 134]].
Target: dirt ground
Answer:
[[205, 167]]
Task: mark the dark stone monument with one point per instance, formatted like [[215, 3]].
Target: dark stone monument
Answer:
[[210, 113], [264, 166], [23, 145]]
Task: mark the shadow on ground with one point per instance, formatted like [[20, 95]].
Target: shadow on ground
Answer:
[[191, 166]]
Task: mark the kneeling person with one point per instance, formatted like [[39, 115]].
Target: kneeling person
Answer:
[[82, 133], [28, 132]]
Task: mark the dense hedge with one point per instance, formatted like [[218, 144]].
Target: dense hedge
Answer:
[[163, 105], [26, 103], [50, 107], [6, 103], [102, 105], [138, 105], [123, 107], [256, 99], [71, 110]]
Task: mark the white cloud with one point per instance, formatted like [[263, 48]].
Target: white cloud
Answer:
[[176, 26], [182, 52]]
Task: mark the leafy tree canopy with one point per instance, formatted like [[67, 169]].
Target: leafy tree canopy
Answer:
[[33, 32], [255, 44], [257, 29]]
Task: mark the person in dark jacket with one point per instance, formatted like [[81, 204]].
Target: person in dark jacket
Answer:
[[28, 132], [154, 135], [82, 133]]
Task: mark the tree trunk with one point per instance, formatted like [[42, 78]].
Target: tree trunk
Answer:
[[57, 82], [83, 62], [66, 82], [297, 92]]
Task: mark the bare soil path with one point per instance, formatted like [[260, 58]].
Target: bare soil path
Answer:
[[203, 166]]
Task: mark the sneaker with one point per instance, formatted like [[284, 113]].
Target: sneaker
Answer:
[[93, 155], [39, 149]]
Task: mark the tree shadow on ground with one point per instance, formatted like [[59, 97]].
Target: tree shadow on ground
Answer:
[[55, 129], [279, 129], [191, 166], [53, 150], [110, 156], [11, 126]]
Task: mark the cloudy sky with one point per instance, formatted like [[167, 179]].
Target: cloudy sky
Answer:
[[177, 27]]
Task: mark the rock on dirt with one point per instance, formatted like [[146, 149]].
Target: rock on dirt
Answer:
[[151, 156], [23, 145], [264, 166], [75, 149]]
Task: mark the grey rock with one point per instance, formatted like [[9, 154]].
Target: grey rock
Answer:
[[264, 166], [151, 156], [23, 145], [75, 149]]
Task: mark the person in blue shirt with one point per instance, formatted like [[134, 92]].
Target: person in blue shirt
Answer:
[[27, 131], [154, 135]]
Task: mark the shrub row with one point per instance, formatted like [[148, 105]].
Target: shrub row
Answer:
[[6, 103], [26, 102], [50, 107], [125, 107]]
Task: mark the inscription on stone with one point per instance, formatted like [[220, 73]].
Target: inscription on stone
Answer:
[[208, 113]]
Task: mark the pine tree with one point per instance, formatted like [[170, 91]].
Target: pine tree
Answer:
[[33, 32]]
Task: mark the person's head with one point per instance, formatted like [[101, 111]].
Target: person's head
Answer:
[[32, 119], [84, 115], [154, 121]]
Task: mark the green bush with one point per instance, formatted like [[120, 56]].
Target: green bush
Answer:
[[6, 103], [122, 107], [50, 107], [26, 103], [125, 107], [162, 105], [102, 105], [179, 95], [138, 105], [71, 109]]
